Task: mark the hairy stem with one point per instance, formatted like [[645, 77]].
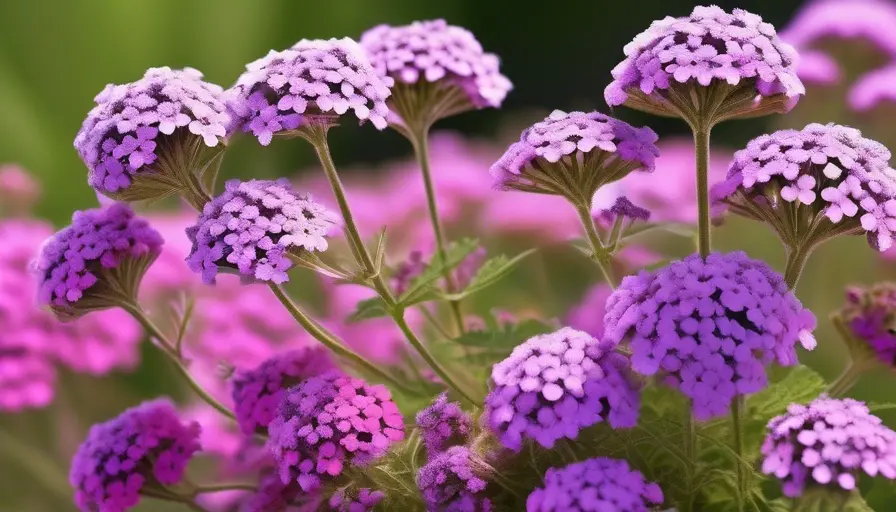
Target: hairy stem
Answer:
[[737, 412], [796, 261], [232, 486], [701, 148], [599, 253], [847, 379]]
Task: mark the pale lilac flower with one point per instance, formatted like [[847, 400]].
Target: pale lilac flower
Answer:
[[595, 484], [874, 88]]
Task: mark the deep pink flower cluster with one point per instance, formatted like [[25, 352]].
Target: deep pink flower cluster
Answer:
[[121, 136], [101, 238], [455, 480], [870, 313], [595, 484], [146, 446], [443, 424], [708, 46], [251, 225], [329, 421], [831, 167], [355, 500], [257, 393], [827, 443], [285, 90], [710, 326], [435, 51], [554, 385]]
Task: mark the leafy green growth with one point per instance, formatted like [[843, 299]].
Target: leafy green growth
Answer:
[[423, 288], [490, 273]]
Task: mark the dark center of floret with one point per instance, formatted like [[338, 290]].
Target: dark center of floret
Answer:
[[365, 437]]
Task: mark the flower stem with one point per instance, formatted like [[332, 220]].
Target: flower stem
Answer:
[[420, 141], [737, 412], [690, 451], [599, 253], [701, 148], [232, 486], [847, 379], [796, 261]]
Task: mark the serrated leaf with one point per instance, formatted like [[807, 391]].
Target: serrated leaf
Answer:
[[795, 384], [492, 271], [507, 337], [421, 286], [370, 308]]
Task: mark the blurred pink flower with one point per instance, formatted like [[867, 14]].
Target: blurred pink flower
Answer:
[[874, 88], [588, 314], [19, 191]]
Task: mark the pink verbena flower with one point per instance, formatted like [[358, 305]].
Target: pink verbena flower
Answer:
[[595, 484]]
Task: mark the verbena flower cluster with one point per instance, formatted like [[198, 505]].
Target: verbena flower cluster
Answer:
[[456, 479], [362, 500], [443, 424], [709, 326], [870, 314]]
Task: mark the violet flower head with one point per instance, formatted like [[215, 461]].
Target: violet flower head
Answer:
[[820, 171], [556, 384], [329, 421], [626, 209], [574, 154], [751, 71], [307, 84], [355, 500], [443, 424], [145, 448], [441, 67], [870, 313], [251, 226], [102, 247], [136, 128], [873, 89], [827, 443], [710, 327], [273, 494], [455, 480], [595, 484]]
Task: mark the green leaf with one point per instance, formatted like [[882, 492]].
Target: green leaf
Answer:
[[490, 273], [370, 308], [506, 337], [820, 499], [675, 228], [421, 288], [795, 384]]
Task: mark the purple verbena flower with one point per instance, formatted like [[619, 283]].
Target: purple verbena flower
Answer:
[[709, 326], [273, 495], [144, 448], [456, 480], [556, 384], [285, 90], [407, 271], [443, 424], [735, 52], [595, 484], [828, 170], [574, 154], [355, 500], [625, 208], [871, 315], [328, 421], [101, 244], [252, 225], [827, 443], [129, 131], [257, 393]]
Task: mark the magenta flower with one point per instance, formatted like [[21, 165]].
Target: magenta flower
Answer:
[[870, 313], [355, 500], [443, 424], [554, 385], [144, 449], [455, 480], [595, 484], [827, 443], [710, 327], [313, 80]]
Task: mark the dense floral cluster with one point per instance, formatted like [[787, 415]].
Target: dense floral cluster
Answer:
[[710, 326], [145, 447], [443, 424], [456, 479], [870, 314], [361, 500], [595, 484], [285, 90], [828, 442]]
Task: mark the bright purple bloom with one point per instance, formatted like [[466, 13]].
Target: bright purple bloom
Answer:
[[97, 241], [250, 227], [456, 480], [870, 313], [436, 52], [595, 484], [830, 168], [827, 443], [145, 447], [709, 326], [556, 384], [624, 149], [124, 135], [355, 500], [874, 88], [257, 393], [329, 421], [443, 424], [588, 314], [285, 90], [625, 209]]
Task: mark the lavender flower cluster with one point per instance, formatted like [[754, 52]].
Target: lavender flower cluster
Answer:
[[443, 424], [456, 479]]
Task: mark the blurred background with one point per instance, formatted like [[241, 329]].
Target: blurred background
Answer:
[[56, 56]]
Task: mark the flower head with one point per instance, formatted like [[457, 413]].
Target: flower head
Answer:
[[108, 247], [144, 448], [257, 393], [329, 421], [738, 55], [574, 154], [709, 326], [455, 480], [355, 500], [443, 424], [827, 443], [136, 128], [873, 89], [556, 384], [18, 190], [252, 225], [273, 494], [820, 171], [870, 313], [314, 79], [440, 67], [595, 484]]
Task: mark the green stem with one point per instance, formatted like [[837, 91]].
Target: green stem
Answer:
[[701, 148], [420, 141], [599, 253], [690, 453], [847, 379], [796, 261], [737, 412], [233, 486]]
